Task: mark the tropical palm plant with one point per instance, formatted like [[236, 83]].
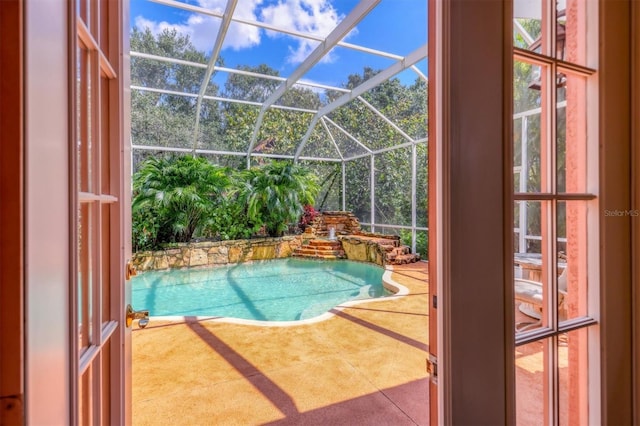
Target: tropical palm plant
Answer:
[[182, 190], [276, 193]]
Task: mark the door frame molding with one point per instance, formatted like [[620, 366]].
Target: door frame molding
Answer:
[[618, 179], [635, 249], [473, 139], [11, 213], [47, 239]]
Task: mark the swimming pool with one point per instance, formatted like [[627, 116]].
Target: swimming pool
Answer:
[[274, 290]]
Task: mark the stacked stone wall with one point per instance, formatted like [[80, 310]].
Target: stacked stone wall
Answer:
[[344, 223], [363, 250], [357, 245], [216, 253]]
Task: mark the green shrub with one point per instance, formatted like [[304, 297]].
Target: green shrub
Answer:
[[422, 242], [179, 193], [229, 221], [144, 230], [275, 194], [179, 198]]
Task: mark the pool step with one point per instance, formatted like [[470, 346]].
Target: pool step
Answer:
[[321, 249], [394, 252]]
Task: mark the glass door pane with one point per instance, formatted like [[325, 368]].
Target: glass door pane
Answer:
[[98, 160]]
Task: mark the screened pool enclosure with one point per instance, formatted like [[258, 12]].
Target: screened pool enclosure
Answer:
[[338, 90]]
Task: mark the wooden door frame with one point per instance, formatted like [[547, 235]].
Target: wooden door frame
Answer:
[[618, 380], [47, 243], [11, 214], [433, 219], [620, 186], [471, 121], [635, 142]]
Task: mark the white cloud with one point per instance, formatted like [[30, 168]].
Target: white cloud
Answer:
[[317, 17], [241, 36], [203, 29]]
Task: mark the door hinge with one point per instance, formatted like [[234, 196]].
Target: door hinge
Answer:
[[434, 301], [432, 368]]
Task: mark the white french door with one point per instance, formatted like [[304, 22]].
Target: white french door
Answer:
[[556, 212], [102, 232], [530, 332], [76, 198]]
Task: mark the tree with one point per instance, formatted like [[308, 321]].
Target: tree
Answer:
[[406, 107], [281, 130], [165, 119], [182, 191], [275, 194], [168, 120], [248, 88]]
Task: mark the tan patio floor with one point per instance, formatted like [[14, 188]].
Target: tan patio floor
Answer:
[[363, 366]]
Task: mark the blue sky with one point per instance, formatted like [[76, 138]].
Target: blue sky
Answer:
[[395, 26]]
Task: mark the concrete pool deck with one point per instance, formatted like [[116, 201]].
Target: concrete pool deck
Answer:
[[363, 366]]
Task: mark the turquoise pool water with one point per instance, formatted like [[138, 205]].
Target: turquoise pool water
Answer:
[[275, 290]]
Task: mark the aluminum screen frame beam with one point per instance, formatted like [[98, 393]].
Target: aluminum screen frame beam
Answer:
[[411, 59], [420, 73], [358, 13], [264, 26], [387, 149], [229, 153], [215, 53], [385, 119], [349, 135], [219, 99], [217, 68], [333, 140]]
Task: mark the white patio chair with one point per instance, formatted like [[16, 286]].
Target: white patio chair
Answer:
[[529, 296]]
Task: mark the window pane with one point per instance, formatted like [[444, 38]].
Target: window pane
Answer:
[[530, 225], [572, 31], [84, 277], [571, 133], [103, 38], [518, 245], [84, 398], [527, 23], [83, 10], [517, 142], [529, 168], [531, 377], [573, 360], [105, 378], [105, 128], [531, 266], [527, 81], [530, 148], [105, 267], [573, 248], [85, 124]]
